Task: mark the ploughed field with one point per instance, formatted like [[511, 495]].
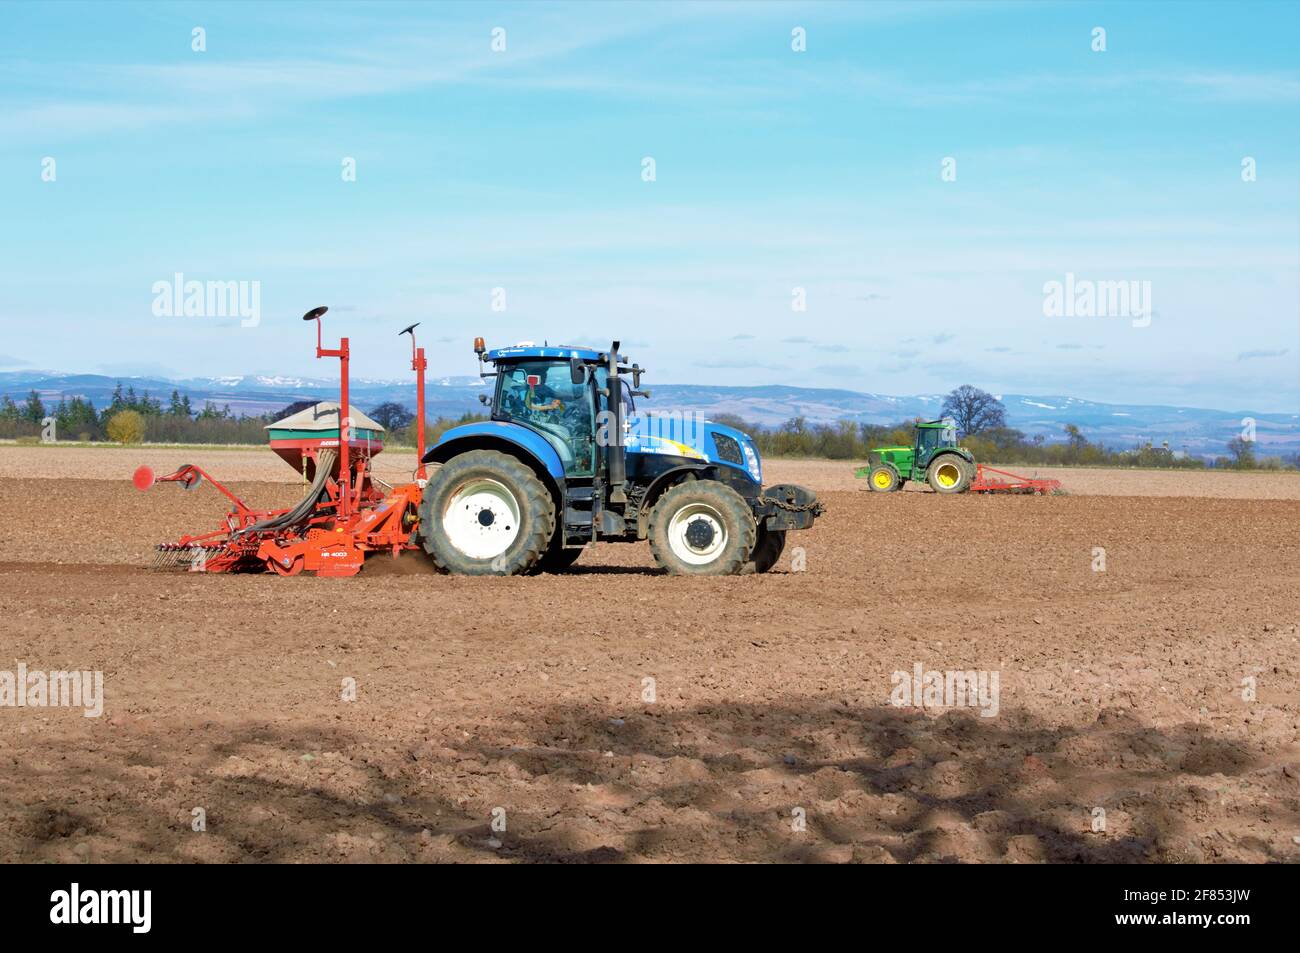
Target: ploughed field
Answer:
[[617, 714]]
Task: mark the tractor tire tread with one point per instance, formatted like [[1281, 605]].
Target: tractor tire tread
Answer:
[[767, 551]]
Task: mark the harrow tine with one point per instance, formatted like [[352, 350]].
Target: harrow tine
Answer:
[[170, 556]]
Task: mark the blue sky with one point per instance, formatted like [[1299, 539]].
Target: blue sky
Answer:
[[775, 170]]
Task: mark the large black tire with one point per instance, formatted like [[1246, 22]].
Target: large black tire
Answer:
[[949, 473], [485, 513], [767, 550], [883, 478], [702, 528]]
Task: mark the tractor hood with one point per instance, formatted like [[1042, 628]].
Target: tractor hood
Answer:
[[690, 436]]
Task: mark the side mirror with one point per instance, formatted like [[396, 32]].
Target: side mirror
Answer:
[[577, 373]]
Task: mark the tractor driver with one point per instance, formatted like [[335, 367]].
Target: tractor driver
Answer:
[[543, 398], [524, 399]]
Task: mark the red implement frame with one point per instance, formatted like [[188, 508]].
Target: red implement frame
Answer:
[[1005, 482], [332, 537]]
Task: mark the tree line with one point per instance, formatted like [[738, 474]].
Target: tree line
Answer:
[[129, 417], [977, 416]]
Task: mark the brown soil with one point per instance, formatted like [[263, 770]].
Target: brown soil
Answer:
[[1120, 690], [255, 463]]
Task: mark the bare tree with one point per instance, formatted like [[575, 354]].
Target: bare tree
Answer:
[[392, 416], [1243, 453], [974, 410], [1077, 441]]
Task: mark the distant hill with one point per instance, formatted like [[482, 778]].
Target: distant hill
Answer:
[[1196, 430]]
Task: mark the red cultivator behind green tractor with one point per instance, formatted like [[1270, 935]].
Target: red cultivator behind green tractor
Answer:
[[936, 459]]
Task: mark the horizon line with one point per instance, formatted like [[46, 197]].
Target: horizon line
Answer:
[[998, 395]]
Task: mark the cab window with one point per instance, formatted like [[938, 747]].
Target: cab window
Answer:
[[541, 395]]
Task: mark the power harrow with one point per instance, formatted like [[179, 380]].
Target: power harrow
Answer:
[[345, 513]]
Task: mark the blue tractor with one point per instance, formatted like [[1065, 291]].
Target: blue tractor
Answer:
[[567, 459]]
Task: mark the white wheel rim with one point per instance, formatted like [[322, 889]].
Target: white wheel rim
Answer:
[[682, 548], [481, 519]]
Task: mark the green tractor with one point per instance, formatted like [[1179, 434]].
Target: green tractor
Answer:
[[933, 457]]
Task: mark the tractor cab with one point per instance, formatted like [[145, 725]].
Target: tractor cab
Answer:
[[930, 438], [572, 397], [542, 395]]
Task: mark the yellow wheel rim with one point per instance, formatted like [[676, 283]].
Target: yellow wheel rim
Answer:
[[882, 479], [948, 475]]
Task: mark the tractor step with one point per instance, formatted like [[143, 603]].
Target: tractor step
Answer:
[[574, 517]]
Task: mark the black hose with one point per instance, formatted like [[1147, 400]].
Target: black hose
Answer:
[[306, 507]]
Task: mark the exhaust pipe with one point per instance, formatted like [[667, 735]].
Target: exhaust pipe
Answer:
[[615, 452]]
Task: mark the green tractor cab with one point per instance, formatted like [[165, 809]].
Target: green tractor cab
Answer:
[[934, 458]]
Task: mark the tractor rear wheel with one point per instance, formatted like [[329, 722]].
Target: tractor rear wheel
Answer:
[[702, 528], [949, 473], [485, 513], [884, 478], [768, 549]]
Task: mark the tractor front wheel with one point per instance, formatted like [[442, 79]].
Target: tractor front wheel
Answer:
[[884, 478], [702, 528], [949, 474], [486, 513]]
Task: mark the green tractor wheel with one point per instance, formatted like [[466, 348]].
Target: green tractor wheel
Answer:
[[949, 473], [883, 478]]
